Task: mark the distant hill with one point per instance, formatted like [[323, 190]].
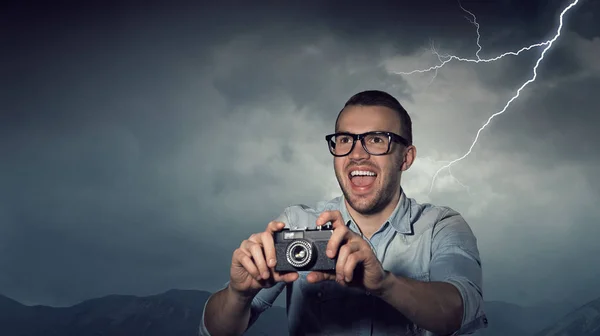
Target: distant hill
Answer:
[[178, 312], [584, 321], [175, 312], [510, 319]]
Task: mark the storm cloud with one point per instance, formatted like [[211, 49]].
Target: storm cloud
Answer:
[[140, 145]]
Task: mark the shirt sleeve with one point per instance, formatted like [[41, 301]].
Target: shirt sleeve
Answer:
[[455, 260]]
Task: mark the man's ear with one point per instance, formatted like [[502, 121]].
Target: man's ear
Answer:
[[408, 157]]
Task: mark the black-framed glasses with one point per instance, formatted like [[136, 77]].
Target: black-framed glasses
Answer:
[[374, 143]]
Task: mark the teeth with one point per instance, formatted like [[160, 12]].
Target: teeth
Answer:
[[361, 173]]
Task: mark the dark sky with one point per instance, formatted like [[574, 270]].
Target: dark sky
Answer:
[[140, 144]]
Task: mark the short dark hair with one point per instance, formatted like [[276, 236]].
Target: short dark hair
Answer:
[[380, 98]]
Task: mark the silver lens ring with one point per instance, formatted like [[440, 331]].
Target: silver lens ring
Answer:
[[304, 247]]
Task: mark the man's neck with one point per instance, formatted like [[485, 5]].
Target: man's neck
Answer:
[[369, 224]]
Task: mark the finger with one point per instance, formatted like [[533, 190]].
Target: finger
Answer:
[[334, 216], [254, 238], [275, 226], [259, 260], [314, 277], [253, 249], [244, 259], [268, 245], [247, 244], [285, 277], [353, 260], [338, 236], [346, 250]]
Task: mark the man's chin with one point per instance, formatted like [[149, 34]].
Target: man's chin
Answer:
[[361, 204]]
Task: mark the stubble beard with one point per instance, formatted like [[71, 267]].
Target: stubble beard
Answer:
[[389, 185]]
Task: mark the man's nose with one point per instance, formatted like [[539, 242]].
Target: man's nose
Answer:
[[358, 152]]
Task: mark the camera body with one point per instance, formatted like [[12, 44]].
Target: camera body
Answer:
[[303, 249]]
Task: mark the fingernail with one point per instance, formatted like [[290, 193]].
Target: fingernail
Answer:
[[272, 262], [347, 280], [265, 275], [329, 252]]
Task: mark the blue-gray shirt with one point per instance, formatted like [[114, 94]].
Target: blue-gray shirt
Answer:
[[419, 241]]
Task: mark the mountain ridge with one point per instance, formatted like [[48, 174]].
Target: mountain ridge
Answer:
[[178, 312], [174, 312], [584, 321]]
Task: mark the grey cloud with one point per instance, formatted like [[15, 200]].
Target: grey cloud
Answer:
[[531, 23], [553, 121], [140, 161], [309, 73], [531, 176]]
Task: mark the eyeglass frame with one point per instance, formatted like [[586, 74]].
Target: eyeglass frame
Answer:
[[392, 137]]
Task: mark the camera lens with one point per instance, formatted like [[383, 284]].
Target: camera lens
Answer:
[[299, 253]]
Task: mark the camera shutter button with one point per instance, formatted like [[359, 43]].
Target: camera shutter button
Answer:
[[326, 226]]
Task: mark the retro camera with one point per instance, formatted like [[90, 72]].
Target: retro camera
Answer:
[[303, 249]]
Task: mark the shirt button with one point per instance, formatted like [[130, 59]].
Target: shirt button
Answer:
[[319, 294], [368, 293]]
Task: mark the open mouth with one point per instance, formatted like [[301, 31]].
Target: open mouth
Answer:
[[362, 178]]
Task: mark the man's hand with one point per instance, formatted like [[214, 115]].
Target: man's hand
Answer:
[[356, 264], [253, 263]]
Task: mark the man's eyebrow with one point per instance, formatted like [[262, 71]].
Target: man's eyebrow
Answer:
[[373, 130]]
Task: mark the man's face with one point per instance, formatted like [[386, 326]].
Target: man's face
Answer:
[[369, 194]]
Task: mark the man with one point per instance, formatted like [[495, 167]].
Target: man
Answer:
[[402, 268]]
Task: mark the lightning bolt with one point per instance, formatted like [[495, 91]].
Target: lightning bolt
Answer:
[[474, 22], [447, 58]]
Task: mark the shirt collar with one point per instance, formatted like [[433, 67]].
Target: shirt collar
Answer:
[[400, 219]]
